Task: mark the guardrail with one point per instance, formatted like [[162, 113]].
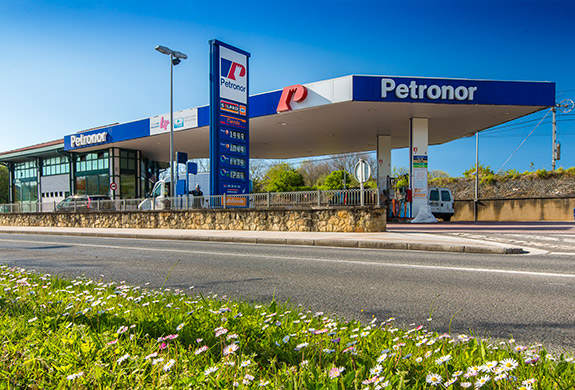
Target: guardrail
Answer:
[[312, 199]]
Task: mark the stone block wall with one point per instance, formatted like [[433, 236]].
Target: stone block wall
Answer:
[[360, 219], [519, 209]]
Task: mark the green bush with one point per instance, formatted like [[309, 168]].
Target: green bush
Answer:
[[542, 173], [511, 174], [488, 179], [483, 170]]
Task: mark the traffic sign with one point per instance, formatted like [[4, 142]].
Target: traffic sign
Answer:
[[362, 171], [113, 186]]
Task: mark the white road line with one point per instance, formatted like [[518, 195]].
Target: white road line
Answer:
[[324, 260]]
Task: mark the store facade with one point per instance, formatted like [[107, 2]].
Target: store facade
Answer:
[[58, 174]]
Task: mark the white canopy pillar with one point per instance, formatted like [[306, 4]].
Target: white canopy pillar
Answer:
[[418, 142], [383, 163]]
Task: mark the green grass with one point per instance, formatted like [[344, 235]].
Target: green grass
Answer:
[[83, 334]]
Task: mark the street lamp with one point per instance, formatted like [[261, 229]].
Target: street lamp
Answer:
[[175, 58]]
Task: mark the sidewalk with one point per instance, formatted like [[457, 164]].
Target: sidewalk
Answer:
[[385, 240]]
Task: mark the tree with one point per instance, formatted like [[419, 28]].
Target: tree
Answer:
[[257, 174], [4, 185], [283, 177], [399, 171], [347, 161], [314, 172], [334, 181]]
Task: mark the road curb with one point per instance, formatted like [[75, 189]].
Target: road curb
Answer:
[[323, 242]]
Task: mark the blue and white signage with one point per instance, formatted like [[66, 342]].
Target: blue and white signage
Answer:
[[107, 135], [229, 123], [183, 120], [233, 78], [452, 91], [428, 91]]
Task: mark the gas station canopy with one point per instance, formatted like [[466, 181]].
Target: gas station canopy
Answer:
[[339, 115]]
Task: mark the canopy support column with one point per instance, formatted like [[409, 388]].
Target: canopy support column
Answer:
[[418, 143], [384, 165]]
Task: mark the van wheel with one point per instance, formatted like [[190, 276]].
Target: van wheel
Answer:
[[447, 218]]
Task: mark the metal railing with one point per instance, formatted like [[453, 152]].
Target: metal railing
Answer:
[[312, 199]]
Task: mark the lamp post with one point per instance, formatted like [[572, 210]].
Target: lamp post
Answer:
[[175, 58]]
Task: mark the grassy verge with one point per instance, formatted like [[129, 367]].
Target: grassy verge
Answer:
[[83, 334]]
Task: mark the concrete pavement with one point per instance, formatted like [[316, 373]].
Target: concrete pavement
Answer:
[[417, 238]]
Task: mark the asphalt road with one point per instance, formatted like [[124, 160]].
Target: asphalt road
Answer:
[[527, 297], [551, 237]]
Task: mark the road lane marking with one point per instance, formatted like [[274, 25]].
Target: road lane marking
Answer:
[[324, 260]]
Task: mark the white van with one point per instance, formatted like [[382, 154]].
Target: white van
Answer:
[[159, 197], [441, 202]]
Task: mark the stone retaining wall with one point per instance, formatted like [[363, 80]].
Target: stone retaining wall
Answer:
[[360, 219], [524, 187], [518, 209]]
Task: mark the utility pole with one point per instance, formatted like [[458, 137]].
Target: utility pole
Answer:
[[554, 140], [476, 197], [565, 106]]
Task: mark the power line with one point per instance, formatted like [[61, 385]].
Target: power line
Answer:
[[521, 123], [506, 132], [518, 126], [521, 144]]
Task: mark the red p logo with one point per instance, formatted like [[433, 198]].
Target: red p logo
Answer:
[[296, 93]]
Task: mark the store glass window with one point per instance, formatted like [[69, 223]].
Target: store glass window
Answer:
[[26, 181], [92, 173], [55, 166], [127, 186], [128, 174], [93, 184], [25, 170], [128, 160], [91, 163], [26, 190]]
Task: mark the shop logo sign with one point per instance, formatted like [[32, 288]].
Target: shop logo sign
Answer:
[[296, 93]]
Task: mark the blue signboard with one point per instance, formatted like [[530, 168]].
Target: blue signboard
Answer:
[[107, 135], [452, 91], [229, 123]]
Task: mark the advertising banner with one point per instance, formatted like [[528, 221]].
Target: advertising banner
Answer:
[[229, 124], [183, 120]]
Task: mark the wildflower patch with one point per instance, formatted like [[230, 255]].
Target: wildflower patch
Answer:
[[85, 334]]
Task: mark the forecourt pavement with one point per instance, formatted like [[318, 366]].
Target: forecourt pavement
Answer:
[[384, 240]]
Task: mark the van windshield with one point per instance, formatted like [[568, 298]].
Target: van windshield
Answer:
[[157, 190]]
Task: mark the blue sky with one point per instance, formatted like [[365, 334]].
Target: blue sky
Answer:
[[72, 65]]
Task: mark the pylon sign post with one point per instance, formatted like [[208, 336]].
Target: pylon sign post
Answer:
[[362, 173], [229, 121]]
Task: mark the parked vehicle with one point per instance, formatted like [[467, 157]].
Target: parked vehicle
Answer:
[[158, 198], [441, 202], [85, 202]]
